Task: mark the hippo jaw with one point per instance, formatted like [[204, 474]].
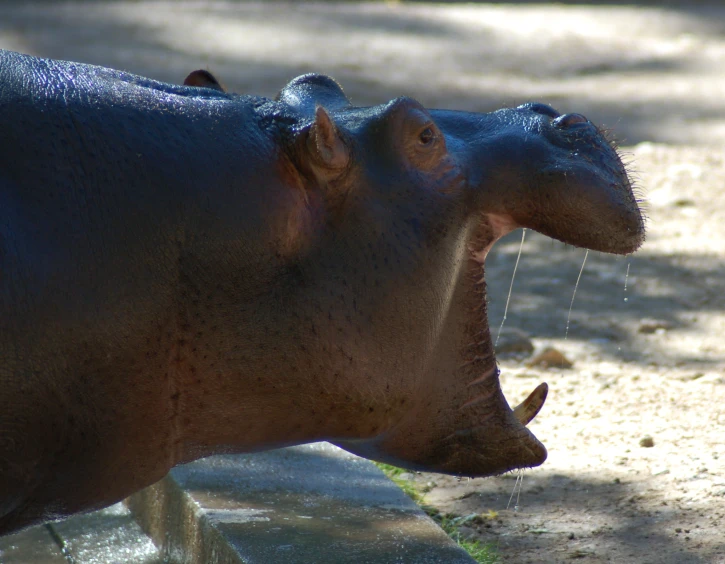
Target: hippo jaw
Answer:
[[464, 424]]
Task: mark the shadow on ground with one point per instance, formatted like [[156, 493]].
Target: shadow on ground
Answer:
[[559, 519], [613, 296]]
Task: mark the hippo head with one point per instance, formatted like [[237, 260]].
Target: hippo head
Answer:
[[389, 214], [402, 205]]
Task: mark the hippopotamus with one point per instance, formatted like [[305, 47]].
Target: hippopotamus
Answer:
[[186, 271]]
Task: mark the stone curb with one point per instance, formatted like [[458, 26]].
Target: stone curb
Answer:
[[107, 536], [307, 504]]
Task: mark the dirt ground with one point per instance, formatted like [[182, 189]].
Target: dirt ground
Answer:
[[645, 332]]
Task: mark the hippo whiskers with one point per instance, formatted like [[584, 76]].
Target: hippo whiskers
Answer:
[[186, 271]]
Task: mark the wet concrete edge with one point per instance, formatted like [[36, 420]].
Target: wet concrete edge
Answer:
[[312, 501]]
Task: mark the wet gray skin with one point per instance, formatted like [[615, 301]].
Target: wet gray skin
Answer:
[[186, 272]]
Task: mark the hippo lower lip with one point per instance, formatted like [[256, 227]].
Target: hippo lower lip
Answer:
[[525, 450]]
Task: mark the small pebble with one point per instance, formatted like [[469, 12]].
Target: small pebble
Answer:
[[550, 357], [512, 341], [647, 442], [649, 326], [683, 203]]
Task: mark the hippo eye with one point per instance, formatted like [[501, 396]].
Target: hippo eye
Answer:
[[427, 136]]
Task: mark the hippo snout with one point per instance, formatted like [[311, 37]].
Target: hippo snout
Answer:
[[555, 173]]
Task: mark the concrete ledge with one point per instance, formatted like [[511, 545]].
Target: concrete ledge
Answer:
[[308, 504], [103, 537]]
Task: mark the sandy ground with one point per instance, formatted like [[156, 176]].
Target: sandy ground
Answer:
[[647, 348]]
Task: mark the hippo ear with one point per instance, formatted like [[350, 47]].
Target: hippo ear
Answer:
[[203, 79], [327, 151]]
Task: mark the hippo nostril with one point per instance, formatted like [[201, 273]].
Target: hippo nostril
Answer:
[[540, 109], [567, 120]]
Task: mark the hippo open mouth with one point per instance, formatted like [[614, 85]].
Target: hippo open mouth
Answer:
[[579, 193]]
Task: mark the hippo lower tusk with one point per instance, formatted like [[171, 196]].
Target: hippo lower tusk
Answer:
[[528, 408]]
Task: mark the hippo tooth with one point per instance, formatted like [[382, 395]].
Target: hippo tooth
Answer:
[[528, 408]]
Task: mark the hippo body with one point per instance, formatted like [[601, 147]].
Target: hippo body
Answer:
[[185, 271]]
